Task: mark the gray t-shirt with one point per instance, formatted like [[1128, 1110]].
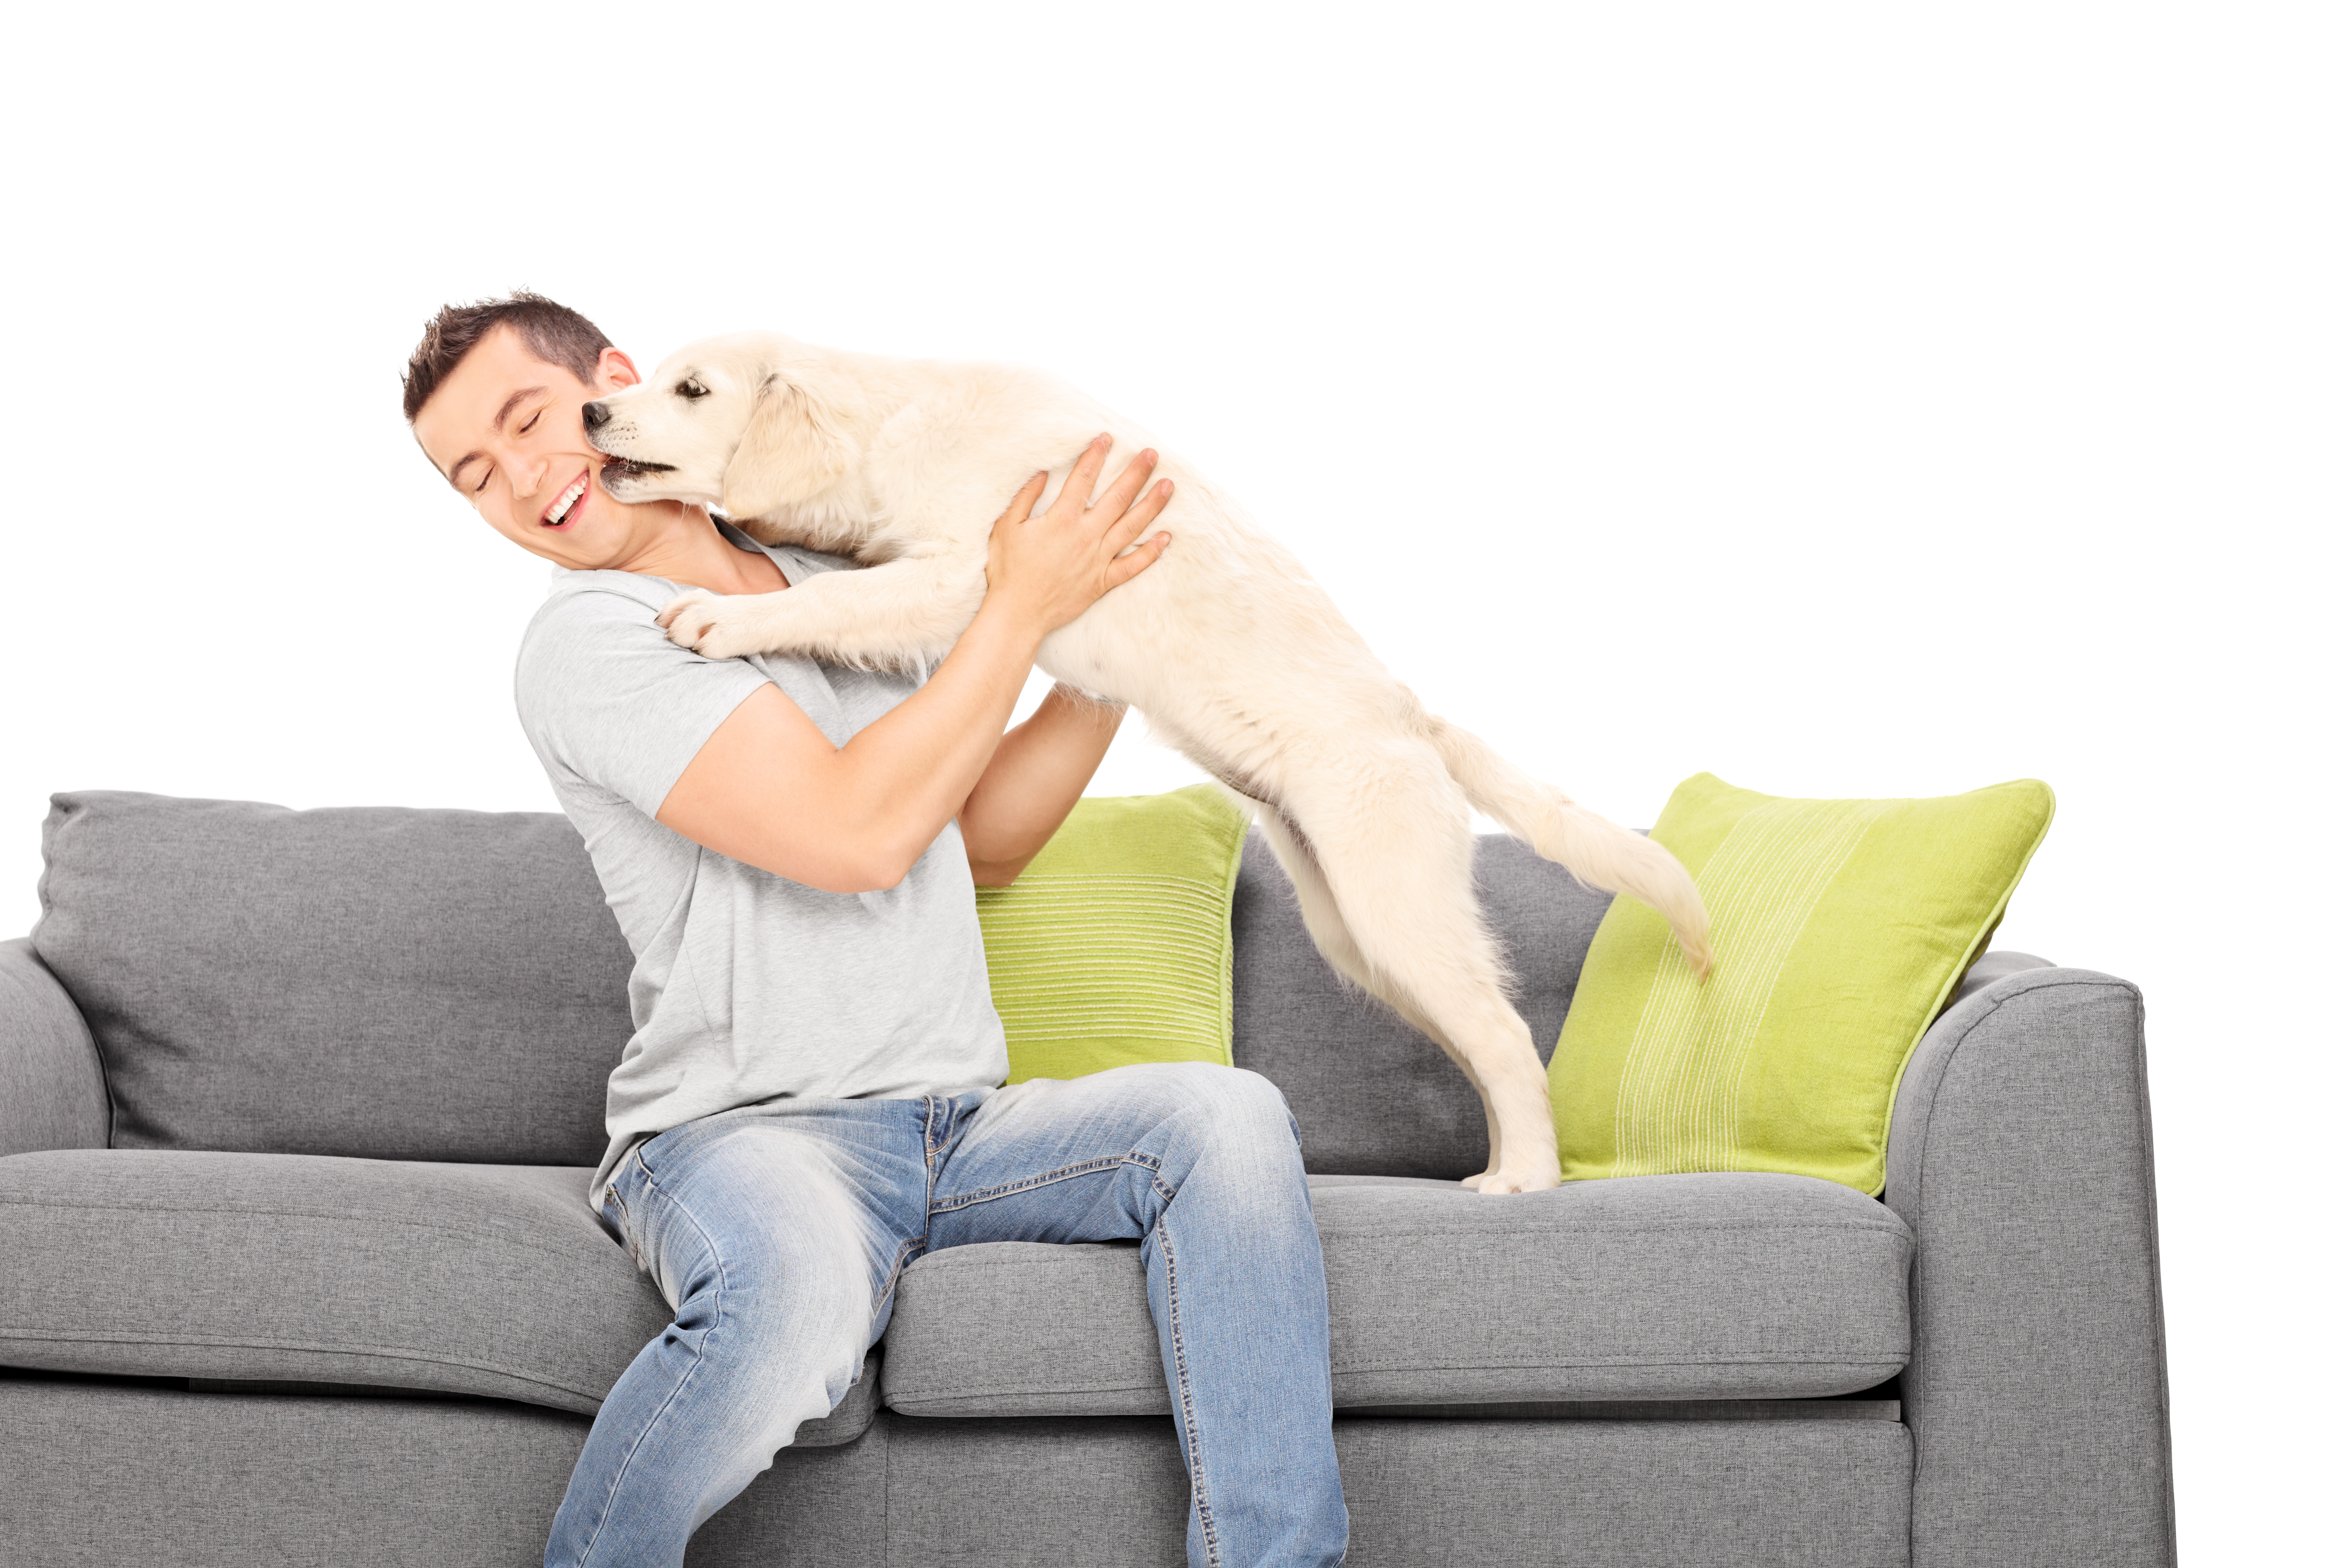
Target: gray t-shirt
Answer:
[[748, 987]]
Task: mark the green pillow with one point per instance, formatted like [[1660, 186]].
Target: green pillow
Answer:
[[1116, 944], [1839, 926]]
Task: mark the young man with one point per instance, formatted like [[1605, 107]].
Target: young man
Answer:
[[810, 1101]]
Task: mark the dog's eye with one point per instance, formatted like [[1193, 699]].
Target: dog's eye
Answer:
[[690, 388]]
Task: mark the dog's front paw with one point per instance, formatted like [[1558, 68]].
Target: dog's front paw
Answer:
[[687, 618], [712, 625]]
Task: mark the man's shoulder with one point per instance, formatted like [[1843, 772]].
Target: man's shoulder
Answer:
[[583, 598], [596, 609], [590, 618]]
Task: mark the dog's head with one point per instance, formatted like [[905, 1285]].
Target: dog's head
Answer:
[[746, 423]]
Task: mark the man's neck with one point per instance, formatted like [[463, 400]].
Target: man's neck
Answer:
[[692, 552]]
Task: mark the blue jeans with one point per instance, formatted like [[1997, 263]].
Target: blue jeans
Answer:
[[777, 1232]]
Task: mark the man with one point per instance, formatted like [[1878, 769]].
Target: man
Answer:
[[810, 1101]]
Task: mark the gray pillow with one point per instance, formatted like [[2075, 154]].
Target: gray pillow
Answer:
[[374, 982]]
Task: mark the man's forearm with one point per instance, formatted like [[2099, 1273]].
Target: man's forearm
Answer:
[[918, 765], [770, 790], [1040, 769], [859, 817]]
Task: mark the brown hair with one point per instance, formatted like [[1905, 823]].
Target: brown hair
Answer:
[[556, 333]]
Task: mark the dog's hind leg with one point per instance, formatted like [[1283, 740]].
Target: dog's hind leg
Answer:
[[1332, 940], [1390, 835]]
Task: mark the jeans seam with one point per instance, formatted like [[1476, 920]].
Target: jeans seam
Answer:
[[890, 1282], [621, 1471], [912, 1247], [1082, 1168], [612, 1191], [1184, 1399]]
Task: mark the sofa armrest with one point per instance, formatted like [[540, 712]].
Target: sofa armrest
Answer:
[[52, 1088], [2020, 1155]]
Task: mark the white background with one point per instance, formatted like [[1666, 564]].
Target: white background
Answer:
[[1846, 400]]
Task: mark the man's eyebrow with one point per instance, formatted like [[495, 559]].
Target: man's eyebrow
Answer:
[[498, 421], [509, 406]]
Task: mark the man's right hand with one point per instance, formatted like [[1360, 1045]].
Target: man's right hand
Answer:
[[1049, 568]]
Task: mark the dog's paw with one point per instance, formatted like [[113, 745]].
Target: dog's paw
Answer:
[[687, 618], [1517, 1178], [712, 625]]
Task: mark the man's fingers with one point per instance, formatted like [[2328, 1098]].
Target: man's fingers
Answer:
[[1137, 518], [1132, 478], [1024, 500], [1124, 568], [1079, 488]]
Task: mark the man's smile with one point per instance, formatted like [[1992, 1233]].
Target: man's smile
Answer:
[[560, 512]]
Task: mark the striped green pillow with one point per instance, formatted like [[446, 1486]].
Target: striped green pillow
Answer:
[[1115, 945], [1839, 926]]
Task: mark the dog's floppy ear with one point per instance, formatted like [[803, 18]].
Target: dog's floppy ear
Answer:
[[796, 448]]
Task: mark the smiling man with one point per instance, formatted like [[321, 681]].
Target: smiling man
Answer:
[[810, 1098]]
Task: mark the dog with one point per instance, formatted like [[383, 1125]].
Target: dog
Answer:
[[1229, 649]]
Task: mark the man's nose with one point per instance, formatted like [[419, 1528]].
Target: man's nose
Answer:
[[592, 414]]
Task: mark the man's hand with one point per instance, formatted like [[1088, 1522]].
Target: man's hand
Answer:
[[1048, 570]]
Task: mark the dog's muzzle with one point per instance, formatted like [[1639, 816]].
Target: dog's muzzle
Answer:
[[620, 469]]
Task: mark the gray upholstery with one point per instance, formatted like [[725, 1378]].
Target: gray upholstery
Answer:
[[324, 982], [480, 1279], [2020, 1154], [102, 1476], [52, 1092], [1624, 1373], [489, 1280], [1653, 1287], [1424, 1494], [1993, 966], [1372, 1096]]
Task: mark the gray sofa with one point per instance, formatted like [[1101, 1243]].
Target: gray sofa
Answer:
[[294, 1112]]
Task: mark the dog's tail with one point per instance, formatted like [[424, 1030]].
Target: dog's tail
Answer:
[[1594, 849]]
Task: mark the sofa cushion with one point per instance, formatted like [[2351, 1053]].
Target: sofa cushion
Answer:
[[473, 1280], [1115, 945], [327, 981], [1840, 927], [1372, 1094], [1716, 1285]]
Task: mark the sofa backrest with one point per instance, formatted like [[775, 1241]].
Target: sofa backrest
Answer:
[[417, 985], [1373, 1096]]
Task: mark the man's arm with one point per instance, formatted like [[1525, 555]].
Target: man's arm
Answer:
[[1040, 769], [770, 790]]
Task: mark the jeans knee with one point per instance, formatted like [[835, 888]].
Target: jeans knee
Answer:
[[1236, 1111]]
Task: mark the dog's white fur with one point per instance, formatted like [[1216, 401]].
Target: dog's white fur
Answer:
[[1237, 657]]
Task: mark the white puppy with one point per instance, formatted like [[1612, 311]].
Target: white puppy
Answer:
[[1238, 659]]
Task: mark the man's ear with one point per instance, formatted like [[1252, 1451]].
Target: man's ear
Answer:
[[796, 448], [615, 370]]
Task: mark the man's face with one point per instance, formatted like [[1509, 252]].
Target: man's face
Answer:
[[504, 429]]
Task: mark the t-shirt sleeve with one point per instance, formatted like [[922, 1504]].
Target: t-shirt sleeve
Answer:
[[603, 694]]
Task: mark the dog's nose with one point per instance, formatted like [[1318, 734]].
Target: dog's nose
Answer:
[[592, 414]]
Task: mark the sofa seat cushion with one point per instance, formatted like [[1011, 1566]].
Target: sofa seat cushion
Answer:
[[1711, 1286], [493, 1280]]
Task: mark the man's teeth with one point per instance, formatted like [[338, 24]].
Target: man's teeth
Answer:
[[566, 501]]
